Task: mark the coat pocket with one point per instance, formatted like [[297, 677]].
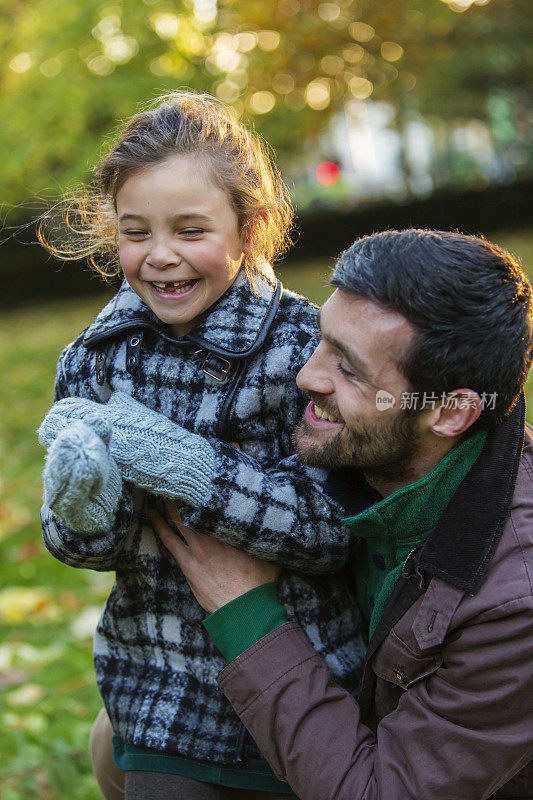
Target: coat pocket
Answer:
[[402, 666]]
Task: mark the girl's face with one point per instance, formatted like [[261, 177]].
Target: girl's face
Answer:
[[179, 242]]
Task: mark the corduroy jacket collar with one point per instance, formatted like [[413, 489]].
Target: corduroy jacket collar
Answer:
[[460, 547], [463, 542], [233, 328]]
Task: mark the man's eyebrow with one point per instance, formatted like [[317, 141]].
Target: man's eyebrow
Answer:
[[357, 364]]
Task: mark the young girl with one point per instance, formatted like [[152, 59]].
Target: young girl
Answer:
[[198, 350]]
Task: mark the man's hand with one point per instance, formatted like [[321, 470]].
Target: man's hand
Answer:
[[217, 573]]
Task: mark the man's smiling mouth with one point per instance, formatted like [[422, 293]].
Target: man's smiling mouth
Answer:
[[321, 414]]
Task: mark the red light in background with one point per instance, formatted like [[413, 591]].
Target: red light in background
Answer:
[[327, 173]]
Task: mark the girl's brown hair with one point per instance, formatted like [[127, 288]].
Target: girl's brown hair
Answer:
[[85, 226]]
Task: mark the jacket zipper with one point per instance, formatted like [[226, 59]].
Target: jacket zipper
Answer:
[[241, 747]]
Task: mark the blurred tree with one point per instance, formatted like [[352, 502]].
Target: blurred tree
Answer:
[[72, 70]]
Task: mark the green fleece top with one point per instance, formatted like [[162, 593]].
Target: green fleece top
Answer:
[[391, 529]]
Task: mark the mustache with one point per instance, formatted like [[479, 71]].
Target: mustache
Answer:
[[325, 405]]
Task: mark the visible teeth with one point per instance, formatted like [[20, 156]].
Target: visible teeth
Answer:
[[321, 414], [176, 284]]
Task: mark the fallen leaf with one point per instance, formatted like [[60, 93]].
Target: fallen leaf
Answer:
[[21, 604], [26, 695], [15, 654], [12, 519], [28, 551], [10, 676], [69, 601], [34, 723], [84, 626]]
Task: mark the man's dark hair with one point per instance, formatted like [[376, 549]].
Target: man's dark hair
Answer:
[[469, 301]]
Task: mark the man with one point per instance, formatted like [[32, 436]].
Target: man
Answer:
[[416, 386]]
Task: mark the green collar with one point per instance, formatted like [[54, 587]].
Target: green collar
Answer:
[[420, 504], [391, 529]]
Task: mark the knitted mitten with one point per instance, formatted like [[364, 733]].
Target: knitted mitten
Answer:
[[151, 451], [156, 454], [63, 413], [82, 482]]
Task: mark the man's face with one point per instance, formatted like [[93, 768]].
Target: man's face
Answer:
[[354, 417]]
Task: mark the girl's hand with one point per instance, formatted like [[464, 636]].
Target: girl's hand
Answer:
[[81, 481], [216, 572]]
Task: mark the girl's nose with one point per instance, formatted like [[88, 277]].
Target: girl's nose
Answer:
[[162, 255], [315, 376]]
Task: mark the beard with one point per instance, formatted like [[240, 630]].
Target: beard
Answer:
[[382, 448]]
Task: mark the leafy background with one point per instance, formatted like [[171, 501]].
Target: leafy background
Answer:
[[48, 697], [69, 72]]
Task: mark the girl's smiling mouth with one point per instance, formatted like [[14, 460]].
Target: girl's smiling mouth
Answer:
[[173, 288]]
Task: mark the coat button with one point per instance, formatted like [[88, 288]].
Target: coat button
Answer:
[[399, 674]]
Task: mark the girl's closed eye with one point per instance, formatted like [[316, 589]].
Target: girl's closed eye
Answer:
[[134, 233], [192, 233]]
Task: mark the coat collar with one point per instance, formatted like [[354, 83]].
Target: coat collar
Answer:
[[234, 328], [405, 518], [461, 546]]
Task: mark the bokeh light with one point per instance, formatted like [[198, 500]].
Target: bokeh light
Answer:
[[317, 94], [246, 41], [21, 62], [361, 32], [283, 83], [261, 102], [328, 11], [51, 67], [361, 88], [327, 173], [391, 51], [268, 40], [165, 25]]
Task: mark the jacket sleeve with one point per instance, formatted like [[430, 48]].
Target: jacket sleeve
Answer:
[[458, 732], [279, 513], [98, 551]]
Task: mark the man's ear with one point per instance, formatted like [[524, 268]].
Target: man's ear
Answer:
[[460, 410]]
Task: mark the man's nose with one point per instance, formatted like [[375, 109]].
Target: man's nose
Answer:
[[315, 376]]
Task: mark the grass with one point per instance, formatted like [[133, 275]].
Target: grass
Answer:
[[48, 698]]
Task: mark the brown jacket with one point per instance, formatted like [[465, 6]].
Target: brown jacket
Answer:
[[446, 707]]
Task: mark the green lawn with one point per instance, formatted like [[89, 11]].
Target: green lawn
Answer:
[[48, 697]]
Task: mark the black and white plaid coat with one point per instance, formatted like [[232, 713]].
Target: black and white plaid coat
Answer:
[[155, 663]]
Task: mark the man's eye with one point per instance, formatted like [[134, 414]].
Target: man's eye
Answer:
[[344, 371]]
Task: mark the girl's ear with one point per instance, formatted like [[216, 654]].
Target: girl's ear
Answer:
[[247, 241], [247, 237], [248, 232]]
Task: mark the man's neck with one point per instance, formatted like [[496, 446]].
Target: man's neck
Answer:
[[426, 459]]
